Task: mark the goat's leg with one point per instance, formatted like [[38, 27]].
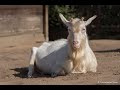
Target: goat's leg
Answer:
[[61, 70], [32, 61], [83, 69], [56, 71], [80, 67], [53, 75], [67, 67], [76, 67]]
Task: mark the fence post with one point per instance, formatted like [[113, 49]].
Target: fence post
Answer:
[[45, 21]]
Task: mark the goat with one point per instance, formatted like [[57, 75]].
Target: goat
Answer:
[[64, 56]]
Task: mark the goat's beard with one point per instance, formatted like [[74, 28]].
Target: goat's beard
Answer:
[[75, 47], [75, 54], [76, 51]]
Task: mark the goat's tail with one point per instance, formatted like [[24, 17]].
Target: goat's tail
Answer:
[[32, 61]]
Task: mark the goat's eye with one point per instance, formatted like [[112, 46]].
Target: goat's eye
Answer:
[[83, 30]]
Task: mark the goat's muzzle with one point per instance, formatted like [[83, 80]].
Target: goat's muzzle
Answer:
[[76, 44]]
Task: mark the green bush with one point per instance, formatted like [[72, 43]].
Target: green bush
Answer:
[[107, 15], [56, 27]]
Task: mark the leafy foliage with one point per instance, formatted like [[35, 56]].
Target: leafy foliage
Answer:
[[108, 15], [55, 24]]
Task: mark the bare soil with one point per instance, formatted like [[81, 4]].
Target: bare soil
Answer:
[[14, 61]]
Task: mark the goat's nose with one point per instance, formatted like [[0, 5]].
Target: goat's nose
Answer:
[[75, 42]]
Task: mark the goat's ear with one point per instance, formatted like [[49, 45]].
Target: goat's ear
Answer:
[[64, 20], [90, 20]]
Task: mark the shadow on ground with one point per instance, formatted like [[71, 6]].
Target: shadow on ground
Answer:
[[22, 73], [115, 50]]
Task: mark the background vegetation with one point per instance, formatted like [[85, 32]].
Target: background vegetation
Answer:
[[106, 25]]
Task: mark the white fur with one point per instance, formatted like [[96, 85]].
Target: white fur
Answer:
[[54, 57]]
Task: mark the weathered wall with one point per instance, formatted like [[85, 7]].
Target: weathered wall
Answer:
[[16, 19]]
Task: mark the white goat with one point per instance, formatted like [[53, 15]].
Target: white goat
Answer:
[[63, 56]]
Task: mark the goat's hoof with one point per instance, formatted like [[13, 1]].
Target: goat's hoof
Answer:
[[94, 71], [75, 72], [53, 75], [79, 71], [29, 75], [84, 71]]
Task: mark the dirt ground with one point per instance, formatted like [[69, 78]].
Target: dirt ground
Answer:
[[14, 61]]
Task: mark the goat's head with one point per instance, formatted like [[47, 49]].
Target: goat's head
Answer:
[[77, 29]]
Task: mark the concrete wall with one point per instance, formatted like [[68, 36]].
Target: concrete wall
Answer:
[[15, 19]]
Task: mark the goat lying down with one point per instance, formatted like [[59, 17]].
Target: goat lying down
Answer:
[[64, 56]]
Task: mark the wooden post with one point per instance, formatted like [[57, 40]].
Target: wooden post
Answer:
[[45, 22]]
